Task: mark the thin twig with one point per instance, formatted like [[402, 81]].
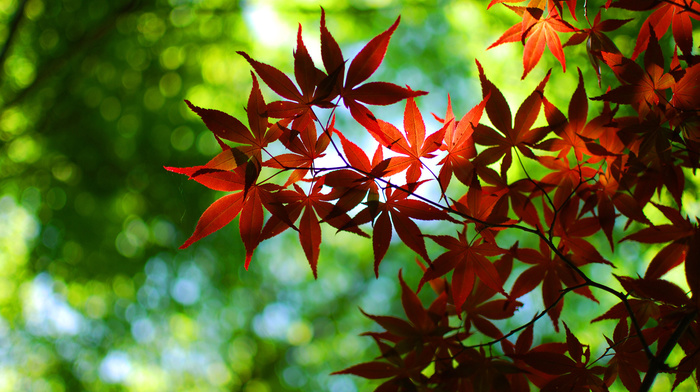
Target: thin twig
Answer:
[[658, 363], [534, 319], [685, 6]]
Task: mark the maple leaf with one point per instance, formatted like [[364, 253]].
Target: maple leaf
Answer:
[[554, 275], [251, 142], [680, 229], [479, 310], [596, 41], [519, 134], [680, 233], [361, 68], [423, 331], [313, 207], [686, 90], [468, 260], [316, 88], [419, 338], [572, 372], [643, 89], [413, 144], [542, 33], [569, 130], [247, 200], [520, 349], [319, 88], [235, 169], [459, 144], [629, 358], [667, 14], [658, 290], [536, 32], [399, 211], [305, 146]]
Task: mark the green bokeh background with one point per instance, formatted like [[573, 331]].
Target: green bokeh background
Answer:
[[94, 294]]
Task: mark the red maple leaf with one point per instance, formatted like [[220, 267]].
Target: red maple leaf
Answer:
[[479, 310], [305, 146], [361, 68], [537, 31], [468, 260], [573, 373], [686, 90], [569, 130], [629, 359], [251, 142], [523, 346], [414, 144], [319, 88], [314, 207], [680, 229], [509, 135], [554, 275], [247, 200], [666, 14], [596, 41], [644, 89], [398, 211], [422, 334], [459, 144], [316, 87]]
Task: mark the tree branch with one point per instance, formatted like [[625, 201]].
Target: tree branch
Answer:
[[534, 319], [658, 363], [685, 6]]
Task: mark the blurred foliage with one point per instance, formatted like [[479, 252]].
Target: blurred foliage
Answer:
[[94, 294]]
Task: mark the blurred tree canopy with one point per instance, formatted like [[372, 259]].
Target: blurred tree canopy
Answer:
[[94, 294]]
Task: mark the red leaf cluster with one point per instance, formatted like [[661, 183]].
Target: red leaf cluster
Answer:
[[598, 178]]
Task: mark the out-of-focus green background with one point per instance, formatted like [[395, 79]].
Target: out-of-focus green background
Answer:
[[94, 294]]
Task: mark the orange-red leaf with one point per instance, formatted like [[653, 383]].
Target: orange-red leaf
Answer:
[[219, 214], [371, 370], [541, 34], [692, 265], [368, 59], [412, 306]]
